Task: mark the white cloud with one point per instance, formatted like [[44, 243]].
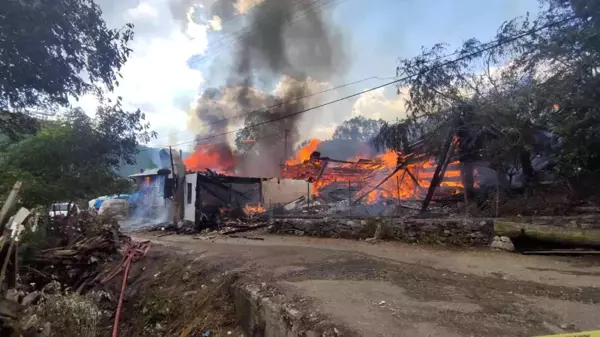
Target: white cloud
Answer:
[[157, 75], [322, 131], [143, 11], [375, 104]]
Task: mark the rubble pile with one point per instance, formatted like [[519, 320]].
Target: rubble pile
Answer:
[[83, 243], [61, 261], [386, 185], [324, 204]]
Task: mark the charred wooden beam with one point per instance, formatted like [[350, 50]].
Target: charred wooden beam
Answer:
[[381, 183], [244, 229], [321, 171], [440, 169], [412, 176], [326, 159]]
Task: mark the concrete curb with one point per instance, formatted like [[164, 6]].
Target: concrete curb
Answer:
[[263, 315]]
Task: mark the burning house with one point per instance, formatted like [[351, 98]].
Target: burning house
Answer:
[[209, 195], [383, 178], [274, 56]]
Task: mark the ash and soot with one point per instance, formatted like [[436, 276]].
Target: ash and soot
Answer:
[[288, 46]]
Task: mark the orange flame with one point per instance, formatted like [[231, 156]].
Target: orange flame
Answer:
[[214, 156], [362, 175], [304, 153], [254, 209]]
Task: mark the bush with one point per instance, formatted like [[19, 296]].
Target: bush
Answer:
[[70, 315]]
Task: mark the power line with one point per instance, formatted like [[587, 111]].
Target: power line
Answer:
[[297, 99], [326, 90], [292, 100], [493, 44], [270, 136]]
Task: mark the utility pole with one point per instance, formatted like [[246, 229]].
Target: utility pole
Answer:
[[285, 142], [174, 185], [174, 189]]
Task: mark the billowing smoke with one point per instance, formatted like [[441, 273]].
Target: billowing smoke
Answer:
[[289, 43], [209, 12]]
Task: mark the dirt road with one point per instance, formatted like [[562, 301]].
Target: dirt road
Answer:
[[393, 289]]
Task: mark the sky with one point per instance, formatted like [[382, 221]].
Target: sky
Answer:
[[174, 59]]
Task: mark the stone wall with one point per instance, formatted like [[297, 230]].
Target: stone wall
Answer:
[[458, 232]]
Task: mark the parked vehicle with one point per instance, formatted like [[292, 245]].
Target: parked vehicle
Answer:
[[62, 209]]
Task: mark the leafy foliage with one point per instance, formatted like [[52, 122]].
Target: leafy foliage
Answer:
[[53, 50], [267, 140], [13, 126], [50, 53], [77, 157], [247, 138], [358, 128], [500, 99], [566, 57]]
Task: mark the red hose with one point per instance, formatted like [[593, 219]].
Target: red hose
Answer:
[[134, 251], [115, 331]]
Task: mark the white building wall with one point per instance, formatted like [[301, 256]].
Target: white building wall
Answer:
[[189, 197]]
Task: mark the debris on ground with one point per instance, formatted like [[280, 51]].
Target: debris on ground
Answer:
[[51, 288], [75, 261]]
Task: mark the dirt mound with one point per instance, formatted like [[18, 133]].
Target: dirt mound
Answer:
[[171, 295]]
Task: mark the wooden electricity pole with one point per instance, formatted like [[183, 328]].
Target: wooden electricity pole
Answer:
[[285, 145], [174, 189]]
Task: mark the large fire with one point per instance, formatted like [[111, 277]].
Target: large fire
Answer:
[[303, 153], [361, 176], [213, 156]]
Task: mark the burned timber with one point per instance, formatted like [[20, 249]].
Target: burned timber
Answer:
[[415, 197]]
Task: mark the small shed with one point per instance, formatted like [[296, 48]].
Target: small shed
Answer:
[[208, 193]]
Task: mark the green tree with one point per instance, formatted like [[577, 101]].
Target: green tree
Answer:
[[497, 97], [358, 128], [262, 136], [51, 51], [564, 58], [76, 157]]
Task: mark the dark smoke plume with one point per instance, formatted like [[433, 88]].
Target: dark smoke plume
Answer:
[[285, 39]]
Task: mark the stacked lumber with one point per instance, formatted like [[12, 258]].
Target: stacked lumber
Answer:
[[75, 262]]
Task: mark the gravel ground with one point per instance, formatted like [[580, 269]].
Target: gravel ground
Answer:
[[394, 289]]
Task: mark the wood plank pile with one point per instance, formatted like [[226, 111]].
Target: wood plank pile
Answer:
[[75, 258]]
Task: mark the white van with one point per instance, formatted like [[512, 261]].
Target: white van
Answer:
[[62, 208]]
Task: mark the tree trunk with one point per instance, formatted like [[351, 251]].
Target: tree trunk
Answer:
[[566, 234], [440, 169], [528, 172], [468, 180], [466, 151]]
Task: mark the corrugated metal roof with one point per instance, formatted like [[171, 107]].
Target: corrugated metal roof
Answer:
[[148, 172]]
